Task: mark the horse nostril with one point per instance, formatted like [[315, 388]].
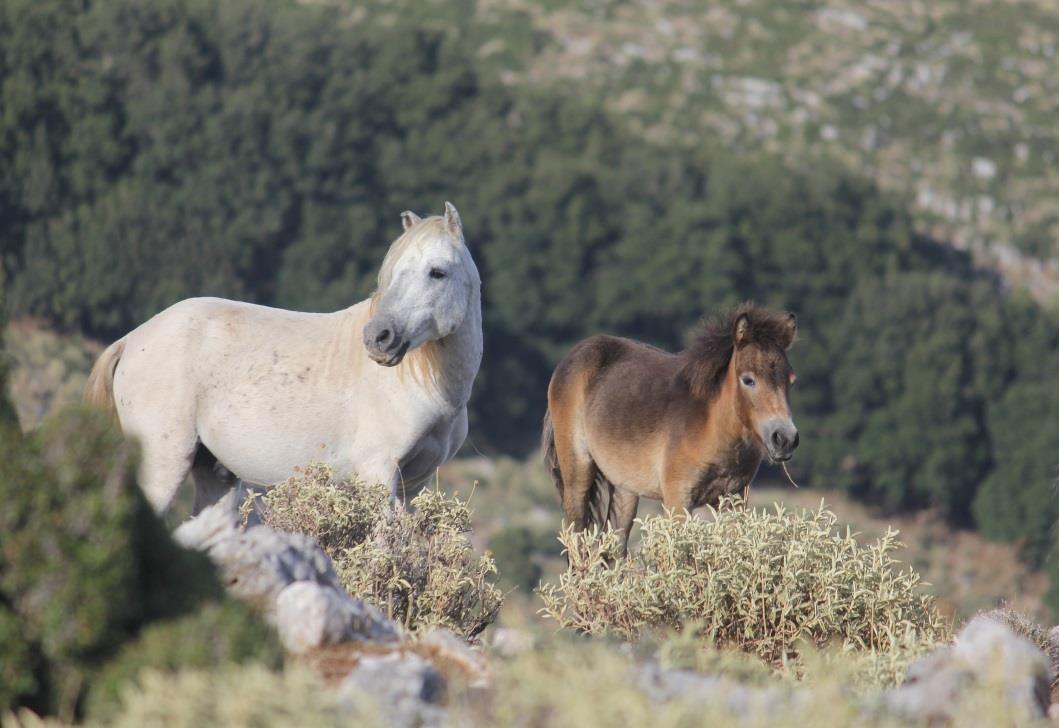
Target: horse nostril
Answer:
[[777, 439], [795, 443], [382, 336]]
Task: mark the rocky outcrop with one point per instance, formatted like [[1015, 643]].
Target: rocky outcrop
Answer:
[[986, 655], [751, 702], [287, 576], [406, 690]]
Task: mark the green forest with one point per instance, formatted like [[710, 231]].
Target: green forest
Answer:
[[263, 150]]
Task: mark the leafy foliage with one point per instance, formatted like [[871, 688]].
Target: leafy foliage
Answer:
[[86, 568], [216, 634], [589, 683], [236, 696], [1018, 498], [752, 580], [416, 564]]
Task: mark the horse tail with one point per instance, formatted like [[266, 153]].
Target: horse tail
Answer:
[[99, 390], [600, 501], [600, 495], [551, 459]]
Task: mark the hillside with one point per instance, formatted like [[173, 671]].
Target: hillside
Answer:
[[515, 511], [950, 104], [264, 151]]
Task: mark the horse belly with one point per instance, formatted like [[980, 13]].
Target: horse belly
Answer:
[[630, 465], [263, 437]]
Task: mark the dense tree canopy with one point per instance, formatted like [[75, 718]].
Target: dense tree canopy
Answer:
[[263, 150]]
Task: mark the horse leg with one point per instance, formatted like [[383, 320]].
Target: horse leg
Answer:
[[623, 506], [163, 469], [212, 480], [677, 498], [162, 420], [579, 477], [416, 468], [386, 471]]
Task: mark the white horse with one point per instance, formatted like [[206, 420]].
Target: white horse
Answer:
[[378, 390]]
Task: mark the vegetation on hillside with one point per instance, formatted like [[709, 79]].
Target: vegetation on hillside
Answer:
[[263, 149], [559, 683], [516, 515], [48, 370], [92, 589], [948, 102], [234, 696], [104, 618], [416, 564], [765, 583]]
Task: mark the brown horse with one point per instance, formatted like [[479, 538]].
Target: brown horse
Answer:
[[627, 420]]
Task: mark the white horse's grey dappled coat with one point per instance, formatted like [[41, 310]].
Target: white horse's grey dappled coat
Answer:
[[378, 390]]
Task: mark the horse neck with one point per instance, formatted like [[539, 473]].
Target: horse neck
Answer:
[[447, 367]]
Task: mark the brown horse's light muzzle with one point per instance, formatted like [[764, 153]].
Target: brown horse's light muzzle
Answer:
[[780, 437]]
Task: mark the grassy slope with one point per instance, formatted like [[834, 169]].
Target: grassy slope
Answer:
[[967, 572]]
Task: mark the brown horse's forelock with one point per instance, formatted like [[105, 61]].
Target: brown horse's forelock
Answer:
[[706, 359]]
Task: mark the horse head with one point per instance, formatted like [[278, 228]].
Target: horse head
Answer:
[[427, 285], [763, 377]]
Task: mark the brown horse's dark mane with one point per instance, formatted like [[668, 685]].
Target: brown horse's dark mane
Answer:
[[705, 361]]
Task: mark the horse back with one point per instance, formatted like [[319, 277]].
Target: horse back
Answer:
[[625, 388]]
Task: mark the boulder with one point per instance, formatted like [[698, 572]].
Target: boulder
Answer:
[[257, 564], [406, 690], [986, 655], [309, 615], [213, 525], [454, 657], [285, 575]]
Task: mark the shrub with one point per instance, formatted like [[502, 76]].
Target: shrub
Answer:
[[758, 581], [417, 565], [217, 634], [593, 684], [338, 514], [233, 696], [20, 661], [588, 683], [86, 566]]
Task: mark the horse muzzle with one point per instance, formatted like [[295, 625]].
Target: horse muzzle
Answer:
[[385, 344], [781, 439]]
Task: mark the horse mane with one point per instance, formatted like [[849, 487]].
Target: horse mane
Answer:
[[424, 363], [705, 361]]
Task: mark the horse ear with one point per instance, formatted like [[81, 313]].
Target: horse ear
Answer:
[[452, 219], [741, 330], [409, 218], [792, 329]]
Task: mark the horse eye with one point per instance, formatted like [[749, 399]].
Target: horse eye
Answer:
[[437, 273], [748, 381]]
